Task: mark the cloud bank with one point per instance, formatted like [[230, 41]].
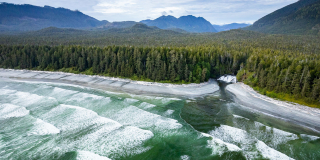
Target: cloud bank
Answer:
[[215, 11]]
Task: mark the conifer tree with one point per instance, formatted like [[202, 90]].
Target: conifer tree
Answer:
[[306, 85], [316, 89]]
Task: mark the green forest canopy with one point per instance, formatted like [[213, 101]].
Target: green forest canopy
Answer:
[[283, 65]]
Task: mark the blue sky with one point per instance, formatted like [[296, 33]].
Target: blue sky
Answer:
[[215, 11]]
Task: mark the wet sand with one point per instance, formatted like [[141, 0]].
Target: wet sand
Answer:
[[101, 82], [295, 113]]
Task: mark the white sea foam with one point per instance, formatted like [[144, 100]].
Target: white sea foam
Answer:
[[142, 97], [25, 98], [125, 140], [10, 110], [163, 100], [108, 137], [146, 105], [185, 157], [271, 153], [49, 84], [43, 128], [130, 100], [137, 117], [228, 79], [230, 134], [166, 100], [85, 96], [246, 141], [60, 93], [281, 137], [6, 91], [258, 124], [237, 116], [309, 137], [85, 155], [218, 146], [168, 112], [68, 117], [274, 136], [88, 100]]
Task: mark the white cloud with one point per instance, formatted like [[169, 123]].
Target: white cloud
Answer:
[[119, 6], [215, 11]]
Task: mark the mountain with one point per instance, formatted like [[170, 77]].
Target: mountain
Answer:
[[302, 17], [227, 27], [188, 23], [28, 17]]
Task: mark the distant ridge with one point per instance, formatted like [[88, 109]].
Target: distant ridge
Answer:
[[57, 31], [123, 24], [227, 27], [140, 29], [188, 23], [302, 17], [28, 17]]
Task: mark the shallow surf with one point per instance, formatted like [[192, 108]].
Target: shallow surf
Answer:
[[58, 120]]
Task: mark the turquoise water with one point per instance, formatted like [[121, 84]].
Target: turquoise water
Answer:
[[42, 120]]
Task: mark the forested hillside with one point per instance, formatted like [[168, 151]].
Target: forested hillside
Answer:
[[302, 17], [28, 17], [179, 64], [124, 24], [280, 66], [291, 76]]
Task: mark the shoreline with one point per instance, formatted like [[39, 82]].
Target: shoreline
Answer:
[[242, 94], [287, 104], [114, 83], [299, 114]]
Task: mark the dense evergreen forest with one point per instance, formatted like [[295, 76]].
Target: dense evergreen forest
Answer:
[[181, 64], [280, 66]]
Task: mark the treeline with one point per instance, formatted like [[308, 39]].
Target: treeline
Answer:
[[290, 71], [163, 38], [292, 76], [163, 64]]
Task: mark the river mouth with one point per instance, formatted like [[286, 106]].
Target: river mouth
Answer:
[[53, 120]]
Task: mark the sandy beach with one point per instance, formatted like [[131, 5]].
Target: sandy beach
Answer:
[[298, 114], [102, 82]]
